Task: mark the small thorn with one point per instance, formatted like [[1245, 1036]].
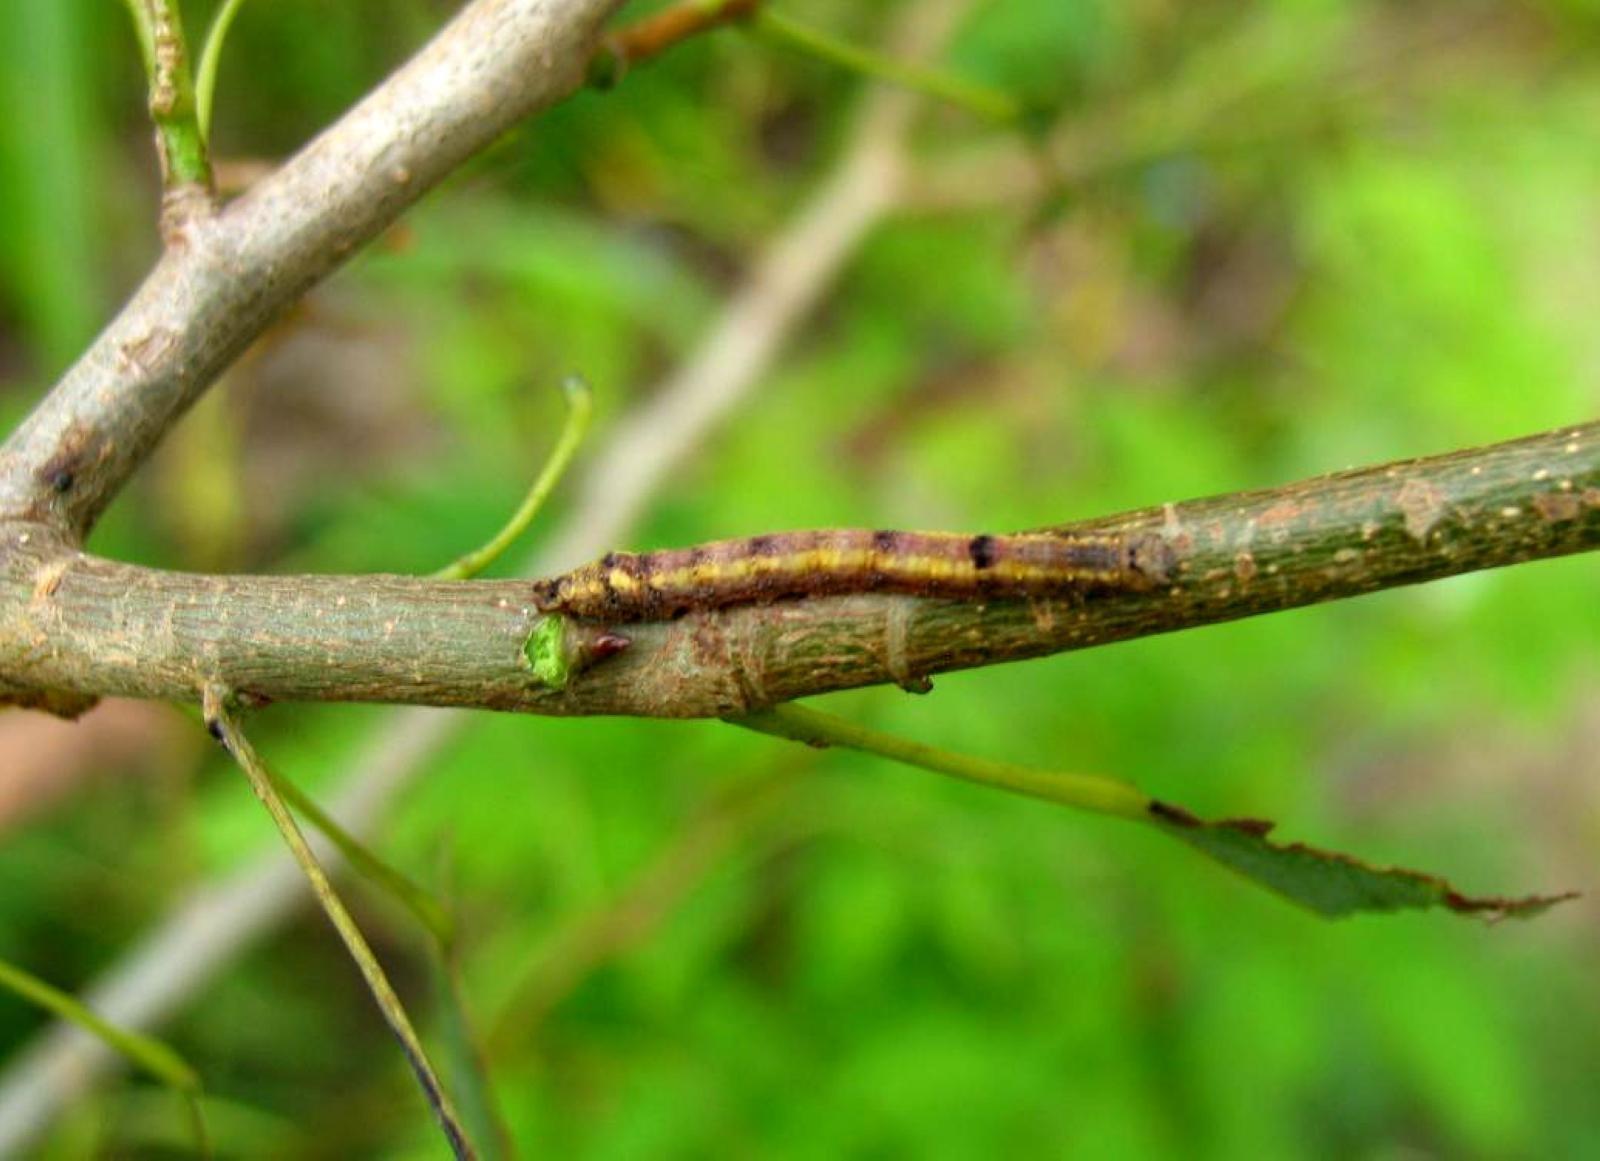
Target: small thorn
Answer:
[[608, 644]]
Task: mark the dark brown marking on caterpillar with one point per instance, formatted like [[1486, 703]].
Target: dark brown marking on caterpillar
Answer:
[[658, 586]]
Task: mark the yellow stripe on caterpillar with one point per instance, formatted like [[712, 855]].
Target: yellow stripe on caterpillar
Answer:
[[624, 587]]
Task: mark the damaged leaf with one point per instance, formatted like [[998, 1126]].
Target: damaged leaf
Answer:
[[1329, 883]]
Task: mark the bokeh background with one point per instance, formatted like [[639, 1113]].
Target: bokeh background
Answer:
[[1303, 236]]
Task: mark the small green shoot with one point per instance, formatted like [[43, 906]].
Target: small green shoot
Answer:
[[143, 30], [580, 409], [205, 81]]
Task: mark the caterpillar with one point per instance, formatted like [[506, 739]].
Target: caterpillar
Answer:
[[658, 586]]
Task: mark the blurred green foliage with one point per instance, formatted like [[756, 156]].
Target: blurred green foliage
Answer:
[[880, 963]]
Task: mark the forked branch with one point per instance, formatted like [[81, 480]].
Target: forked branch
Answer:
[[228, 272]]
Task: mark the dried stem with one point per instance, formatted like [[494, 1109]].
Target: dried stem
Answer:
[[226, 276]]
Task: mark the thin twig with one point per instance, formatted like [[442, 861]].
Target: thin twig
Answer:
[[644, 40], [224, 726], [427, 911]]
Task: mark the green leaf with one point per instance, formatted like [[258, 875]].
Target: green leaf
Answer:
[[1331, 884]]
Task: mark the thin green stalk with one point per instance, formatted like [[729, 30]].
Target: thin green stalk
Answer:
[[140, 15], [1084, 791], [142, 1051], [224, 726], [179, 138], [944, 86], [205, 81], [474, 1095], [411, 895], [580, 408]]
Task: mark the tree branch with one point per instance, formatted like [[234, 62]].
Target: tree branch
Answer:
[[208, 927], [228, 273], [646, 39], [77, 624]]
